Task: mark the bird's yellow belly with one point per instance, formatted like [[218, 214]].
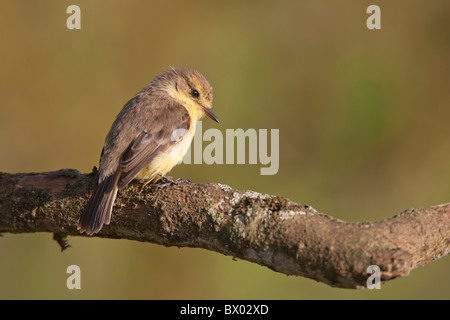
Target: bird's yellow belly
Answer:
[[165, 161]]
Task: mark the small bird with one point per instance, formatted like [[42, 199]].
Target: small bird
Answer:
[[150, 135]]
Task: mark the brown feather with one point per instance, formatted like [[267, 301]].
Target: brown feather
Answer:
[[152, 141], [99, 208]]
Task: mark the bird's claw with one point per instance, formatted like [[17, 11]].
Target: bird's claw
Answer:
[[171, 181]]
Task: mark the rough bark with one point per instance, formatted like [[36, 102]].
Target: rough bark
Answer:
[[266, 229]]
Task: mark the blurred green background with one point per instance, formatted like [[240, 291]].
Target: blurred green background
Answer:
[[363, 118]]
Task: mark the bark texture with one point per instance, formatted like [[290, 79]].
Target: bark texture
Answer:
[[269, 230]]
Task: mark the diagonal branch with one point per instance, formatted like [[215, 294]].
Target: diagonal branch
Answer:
[[269, 230]]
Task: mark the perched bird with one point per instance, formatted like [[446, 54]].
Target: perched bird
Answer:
[[150, 135]]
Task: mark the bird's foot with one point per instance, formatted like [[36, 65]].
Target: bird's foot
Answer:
[[171, 181]]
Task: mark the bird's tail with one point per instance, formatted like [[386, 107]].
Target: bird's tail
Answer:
[[99, 208]]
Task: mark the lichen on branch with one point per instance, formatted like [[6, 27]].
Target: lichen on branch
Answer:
[[268, 230]]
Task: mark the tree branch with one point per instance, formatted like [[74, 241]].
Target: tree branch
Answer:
[[269, 230]]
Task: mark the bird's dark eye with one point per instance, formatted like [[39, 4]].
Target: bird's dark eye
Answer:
[[194, 93]]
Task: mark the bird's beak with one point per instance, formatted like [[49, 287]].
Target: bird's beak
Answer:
[[211, 114]]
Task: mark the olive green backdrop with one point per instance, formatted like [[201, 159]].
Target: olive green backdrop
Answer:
[[363, 118]]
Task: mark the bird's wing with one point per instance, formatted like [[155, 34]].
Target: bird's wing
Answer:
[[157, 137]]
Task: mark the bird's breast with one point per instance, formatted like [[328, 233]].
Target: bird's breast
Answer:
[[167, 159]]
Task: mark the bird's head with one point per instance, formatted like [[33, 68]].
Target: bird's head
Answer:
[[191, 89]]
